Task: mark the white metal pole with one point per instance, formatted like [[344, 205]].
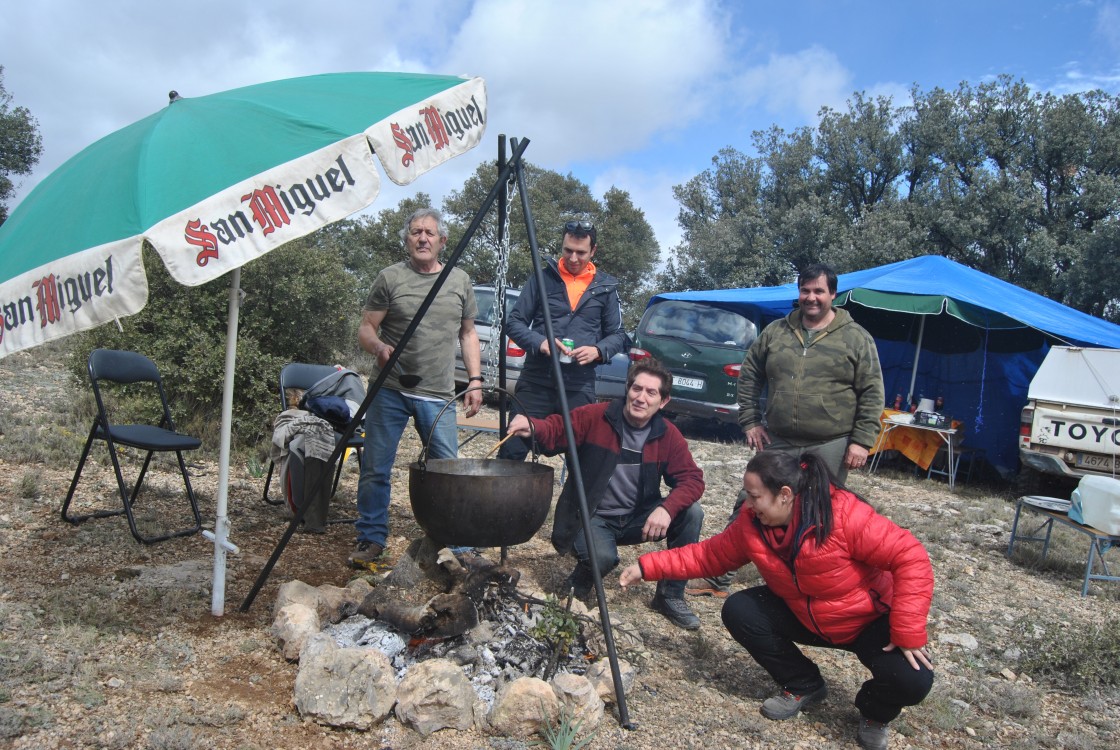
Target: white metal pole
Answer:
[[220, 534]]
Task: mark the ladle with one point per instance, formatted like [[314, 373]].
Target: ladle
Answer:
[[406, 381]]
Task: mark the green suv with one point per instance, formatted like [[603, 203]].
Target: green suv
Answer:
[[703, 346]]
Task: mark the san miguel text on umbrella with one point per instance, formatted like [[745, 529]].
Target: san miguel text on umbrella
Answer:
[[433, 130], [272, 207], [55, 295]]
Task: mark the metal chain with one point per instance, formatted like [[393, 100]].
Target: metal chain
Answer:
[[500, 275]]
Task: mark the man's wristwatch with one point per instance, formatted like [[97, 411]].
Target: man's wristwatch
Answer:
[[473, 378]]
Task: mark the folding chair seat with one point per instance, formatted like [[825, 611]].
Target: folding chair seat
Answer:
[[302, 376], [121, 367]]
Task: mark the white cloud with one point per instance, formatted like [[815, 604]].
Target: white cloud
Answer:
[[1107, 25], [587, 80], [796, 84]]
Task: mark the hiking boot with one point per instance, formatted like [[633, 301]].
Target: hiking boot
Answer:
[[365, 554], [872, 735], [707, 587], [676, 611], [786, 705]]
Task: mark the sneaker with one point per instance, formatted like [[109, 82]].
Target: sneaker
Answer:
[[706, 587], [786, 705], [676, 611], [872, 735], [365, 554]]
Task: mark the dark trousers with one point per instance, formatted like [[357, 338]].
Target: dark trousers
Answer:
[[764, 625], [611, 531], [539, 401]]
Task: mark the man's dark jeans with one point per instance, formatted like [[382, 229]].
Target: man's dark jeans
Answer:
[[766, 627], [611, 531]]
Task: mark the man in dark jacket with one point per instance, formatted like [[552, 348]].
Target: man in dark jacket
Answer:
[[626, 448], [583, 303]]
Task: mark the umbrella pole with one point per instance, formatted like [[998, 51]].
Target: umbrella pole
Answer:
[[220, 535]]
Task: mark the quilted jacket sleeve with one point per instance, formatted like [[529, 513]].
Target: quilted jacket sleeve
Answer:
[[713, 556], [877, 541]]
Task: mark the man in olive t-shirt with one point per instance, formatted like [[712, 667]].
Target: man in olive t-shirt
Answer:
[[393, 301]]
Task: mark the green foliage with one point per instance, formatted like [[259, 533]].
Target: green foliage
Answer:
[[557, 625], [1016, 183], [298, 305], [627, 246], [20, 145], [563, 735], [1077, 656]]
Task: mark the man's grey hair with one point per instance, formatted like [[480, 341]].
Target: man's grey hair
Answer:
[[423, 213]]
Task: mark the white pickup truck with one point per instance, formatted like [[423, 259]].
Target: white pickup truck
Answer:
[[1070, 426]]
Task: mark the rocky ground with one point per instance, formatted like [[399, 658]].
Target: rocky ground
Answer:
[[106, 643]]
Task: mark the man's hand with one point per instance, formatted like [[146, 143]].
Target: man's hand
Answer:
[[472, 400], [519, 426], [757, 437], [855, 457], [657, 525], [585, 355], [630, 574], [544, 348]]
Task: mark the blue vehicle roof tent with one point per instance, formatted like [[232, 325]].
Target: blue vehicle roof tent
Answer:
[[951, 331]]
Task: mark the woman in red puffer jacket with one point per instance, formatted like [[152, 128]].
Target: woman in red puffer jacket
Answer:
[[838, 575]]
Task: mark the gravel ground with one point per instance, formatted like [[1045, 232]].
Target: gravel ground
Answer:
[[106, 643]]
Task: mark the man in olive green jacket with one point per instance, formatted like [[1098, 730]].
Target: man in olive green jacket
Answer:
[[825, 390], [824, 384]]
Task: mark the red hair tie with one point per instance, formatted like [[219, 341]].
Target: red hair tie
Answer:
[[804, 464]]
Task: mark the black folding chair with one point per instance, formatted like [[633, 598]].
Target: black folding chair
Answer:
[[303, 376], [132, 368]]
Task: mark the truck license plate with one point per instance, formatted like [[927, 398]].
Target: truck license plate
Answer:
[[1093, 461], [692, 384]]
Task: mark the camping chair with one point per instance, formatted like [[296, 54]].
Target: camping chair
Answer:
[[303, 376], [130, 367]]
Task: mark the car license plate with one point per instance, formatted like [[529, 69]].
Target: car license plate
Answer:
[[1094, 461], [692, 384]]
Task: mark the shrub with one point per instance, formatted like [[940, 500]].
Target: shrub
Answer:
[[298, 305]]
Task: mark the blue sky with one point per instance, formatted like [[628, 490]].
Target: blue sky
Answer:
[[638, 95]]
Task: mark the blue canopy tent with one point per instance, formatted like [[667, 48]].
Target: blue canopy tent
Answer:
[[945, 329]]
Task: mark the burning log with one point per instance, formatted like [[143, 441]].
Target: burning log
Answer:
[[432, 593]]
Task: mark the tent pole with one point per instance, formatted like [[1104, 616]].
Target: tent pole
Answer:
[[917, 353]]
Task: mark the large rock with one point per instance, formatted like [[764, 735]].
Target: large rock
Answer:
[[600, 675], [333, 604], [435, 695], [296, 592], [295, 623], [524, 707], [579, 699], [344, 687]]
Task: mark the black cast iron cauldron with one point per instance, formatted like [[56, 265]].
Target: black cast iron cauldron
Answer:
[[479, 502]]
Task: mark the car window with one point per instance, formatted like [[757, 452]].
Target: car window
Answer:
[[700, 324], [486, 298]]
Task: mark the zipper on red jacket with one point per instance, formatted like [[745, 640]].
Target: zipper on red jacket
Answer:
[[793, 574]]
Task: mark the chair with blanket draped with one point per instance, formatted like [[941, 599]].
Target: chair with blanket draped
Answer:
[[295, 379], [108, 366]]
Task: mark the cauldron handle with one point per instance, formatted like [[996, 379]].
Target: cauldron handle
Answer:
[[422, 460]]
